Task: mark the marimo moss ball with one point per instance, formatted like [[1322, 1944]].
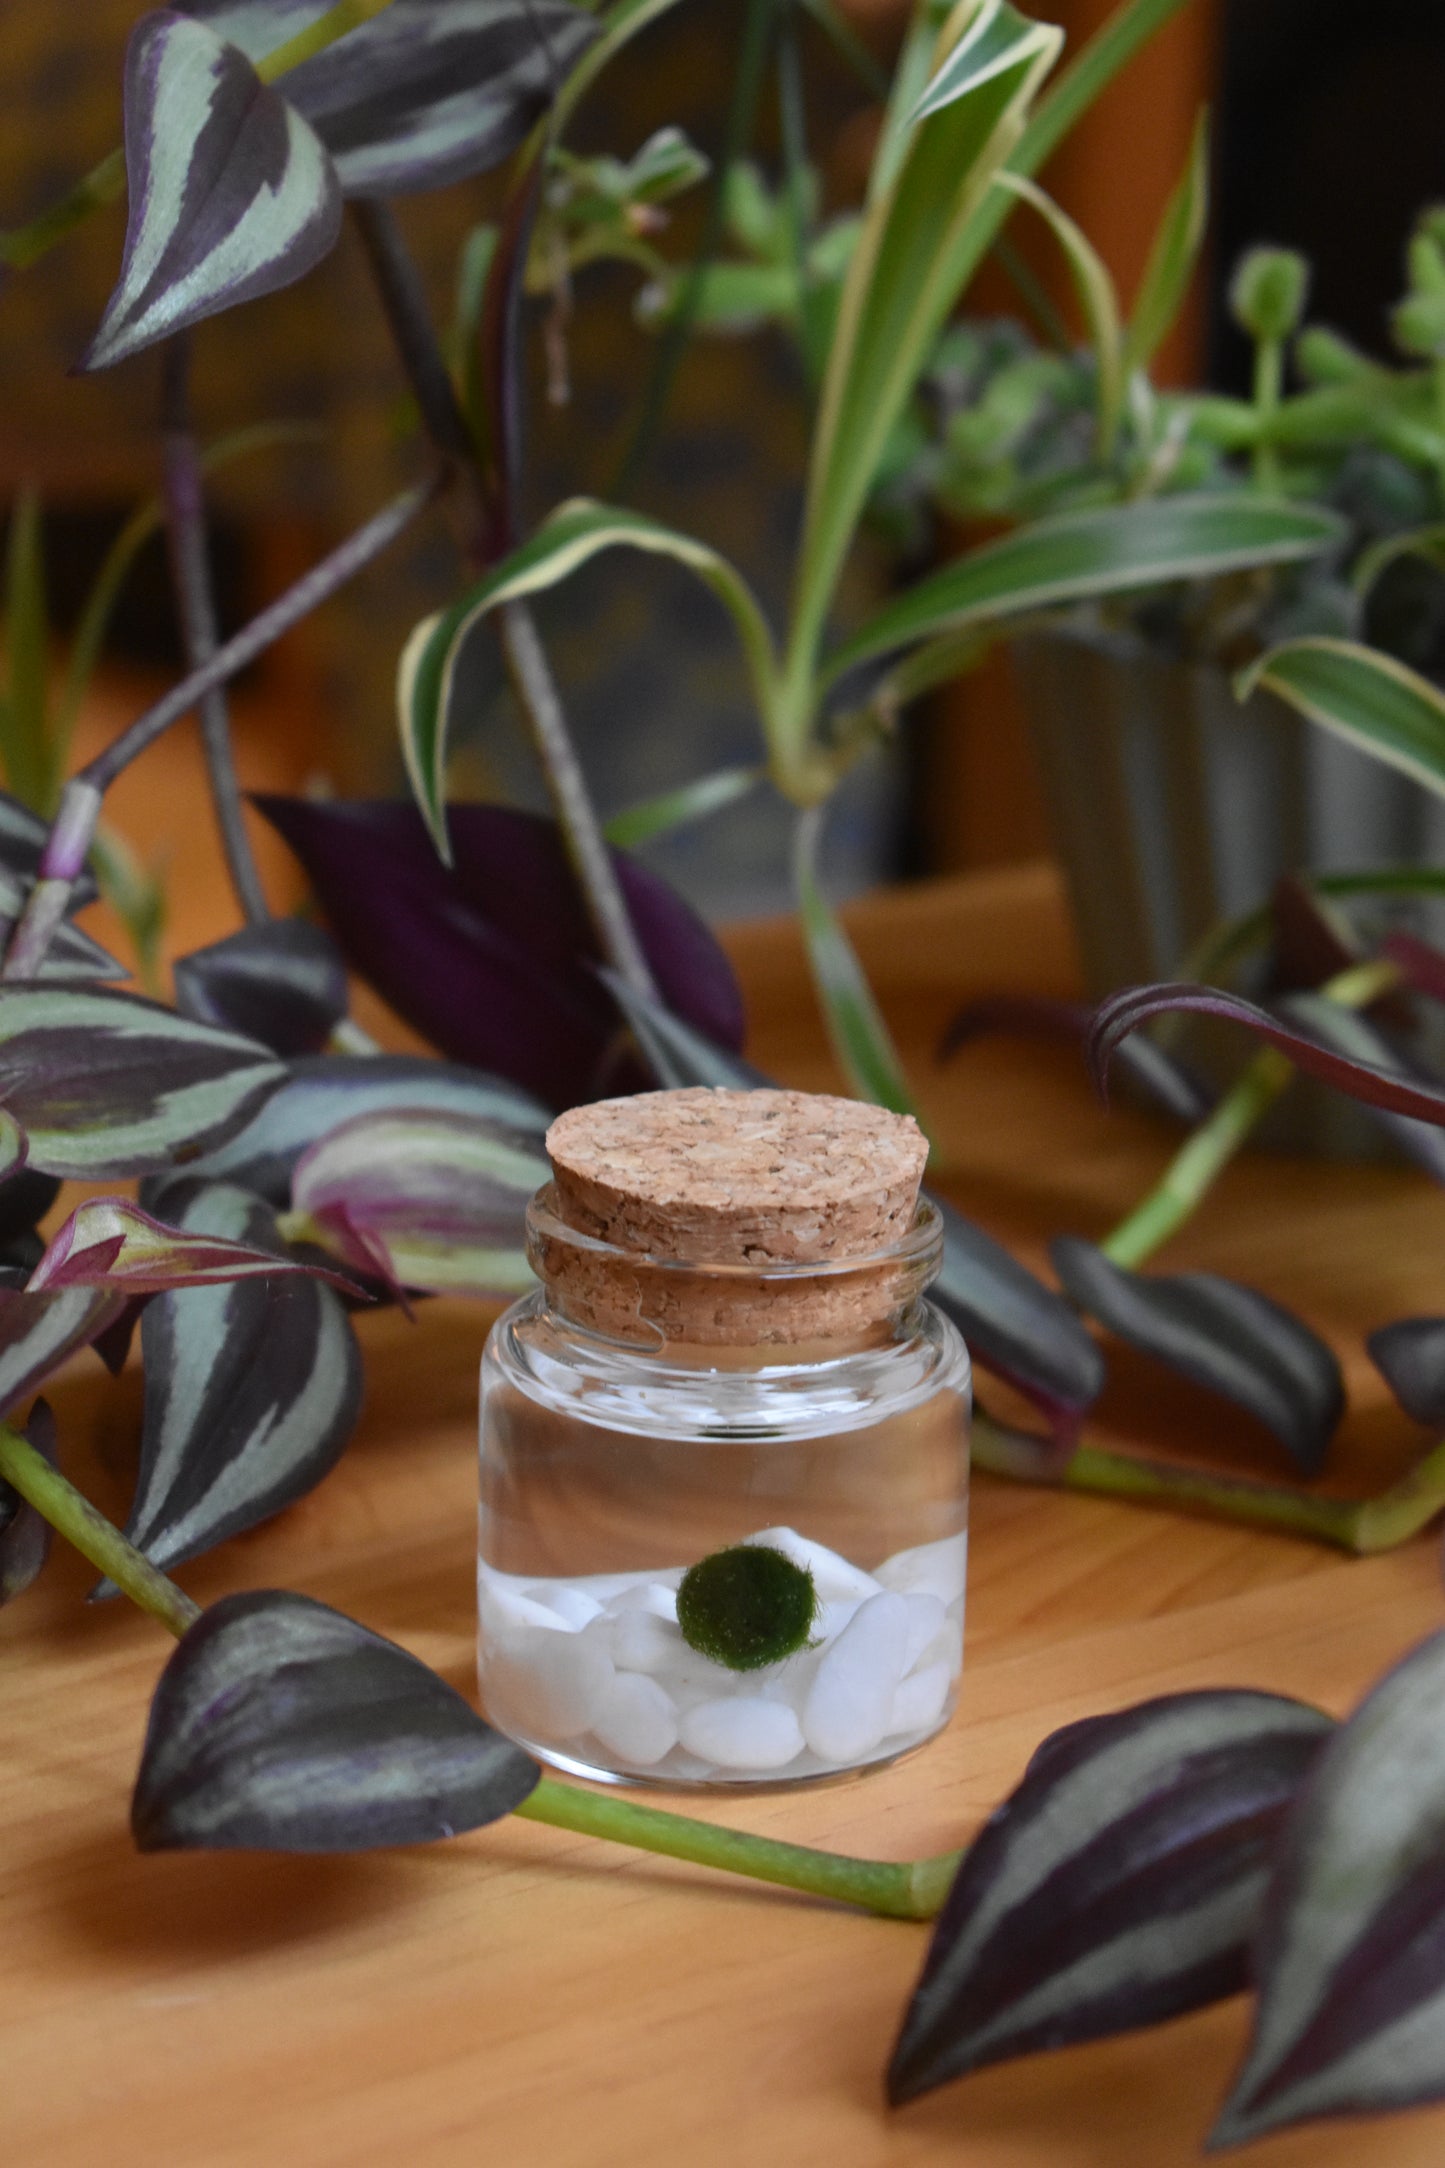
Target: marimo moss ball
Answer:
[[747, 1606]]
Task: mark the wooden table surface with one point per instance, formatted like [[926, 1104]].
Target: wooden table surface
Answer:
[[526, 1996]]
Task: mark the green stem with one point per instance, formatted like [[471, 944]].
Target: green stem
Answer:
[[901, 1890], [104, 182], [1268, 383], [1190, 1174], [74, 1517]]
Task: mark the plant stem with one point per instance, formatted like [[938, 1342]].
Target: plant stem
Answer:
[[1268, 383], [74, 1517], [345, 16], [1187, 1179], [903, 1890], [80, 802], [404, 300], [196, 607]]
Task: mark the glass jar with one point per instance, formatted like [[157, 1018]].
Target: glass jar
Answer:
[[612, 1464]]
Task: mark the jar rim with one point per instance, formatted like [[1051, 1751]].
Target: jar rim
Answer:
[[920, 1246]]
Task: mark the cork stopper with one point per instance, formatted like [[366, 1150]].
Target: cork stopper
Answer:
[[752, 1188]]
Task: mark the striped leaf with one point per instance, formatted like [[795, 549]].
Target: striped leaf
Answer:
[[107, 1085], [1350, 1957], [283, 983], [1118, 1886], [1226, 1337], [670, 809], [1120, 549], [324, 1091], [576, 532], [231, 193], [426, 93], [1360, 695], [40, 1332], [1173, 257], [861, 1039], [280, 1725], [110, 1242], [24, 1533], [252, 1389], [437, 1201]]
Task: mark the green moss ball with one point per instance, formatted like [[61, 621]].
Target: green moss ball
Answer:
[[747, 1606]]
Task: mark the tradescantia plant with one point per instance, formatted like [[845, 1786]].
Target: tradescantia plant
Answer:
[[289, 1170]]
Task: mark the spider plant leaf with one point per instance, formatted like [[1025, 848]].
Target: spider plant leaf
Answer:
[[283, 983], [280, 1725], [1117, 550], [107, 1085], [441, 1198], [1117, 1886], [670, 809], [574, 533], [231, 193], [1350, 1956], [1228, 1338], [1363, 696], [252, 1385], [1173, 257], [860, 1038], [1098, 301], [1426, 543]]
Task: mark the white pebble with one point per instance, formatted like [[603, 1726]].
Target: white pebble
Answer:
[[635, 1720], [645, 1596], [509, 1616], [832, 1618], [641, 1641], [930, 1569], [549, 1687], [918, 1702], [926, 1621], [833, 1576], [743, 1733], [846, 1712], [572, 1605]]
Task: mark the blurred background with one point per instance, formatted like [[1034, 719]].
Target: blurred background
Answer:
[[1327, 136]]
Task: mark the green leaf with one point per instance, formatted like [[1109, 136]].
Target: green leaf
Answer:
[[1097, 299], [861, 1040], [1427, 543], [619, 25], [912, 258], [1361, 695], [1083, 554], [676, 808], [1172, 258], [575, 532], [22, 740]]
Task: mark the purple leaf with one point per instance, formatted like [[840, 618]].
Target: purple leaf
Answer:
[[1228, 1338], [110, 1242], [493, 960], [1311, 942], [1423, 966], [438, 1200], [40, 1332], [1376, 1086], [1157, 1075], [425, 94], [279, 1725], [252, 1388], [1350, 1955], [283, 983], [23, 837], [24, 1533], [1410, 1357], [1118, 1886], [1357, 1038], [231, 193]]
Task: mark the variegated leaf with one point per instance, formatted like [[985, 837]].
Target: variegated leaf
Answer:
[[14, 1149], [251, 1389], [427, 93], [321, 1093], [1119, 1885], [437, 1199], [107, 1085], [1410, 1356], [1350, 1956], [280, 1725], [110, 1242], [24, 1533], [1229, 1338], [38, 1333], [283, 983], [231, 192], [72, 953]]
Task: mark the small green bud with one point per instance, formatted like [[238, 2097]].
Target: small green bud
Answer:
[[747, 1606], [1419, 326], [1269, 291], [1425, 264]]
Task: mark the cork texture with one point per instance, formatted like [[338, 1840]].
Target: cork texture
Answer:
[[768, 1179]]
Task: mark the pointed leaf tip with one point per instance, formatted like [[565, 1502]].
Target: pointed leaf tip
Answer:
[[280, 1725]]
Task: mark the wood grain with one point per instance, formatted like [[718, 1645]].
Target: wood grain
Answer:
[[526, 1996]]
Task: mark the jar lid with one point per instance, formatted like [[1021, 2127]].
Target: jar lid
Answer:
[[753, 1188]]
